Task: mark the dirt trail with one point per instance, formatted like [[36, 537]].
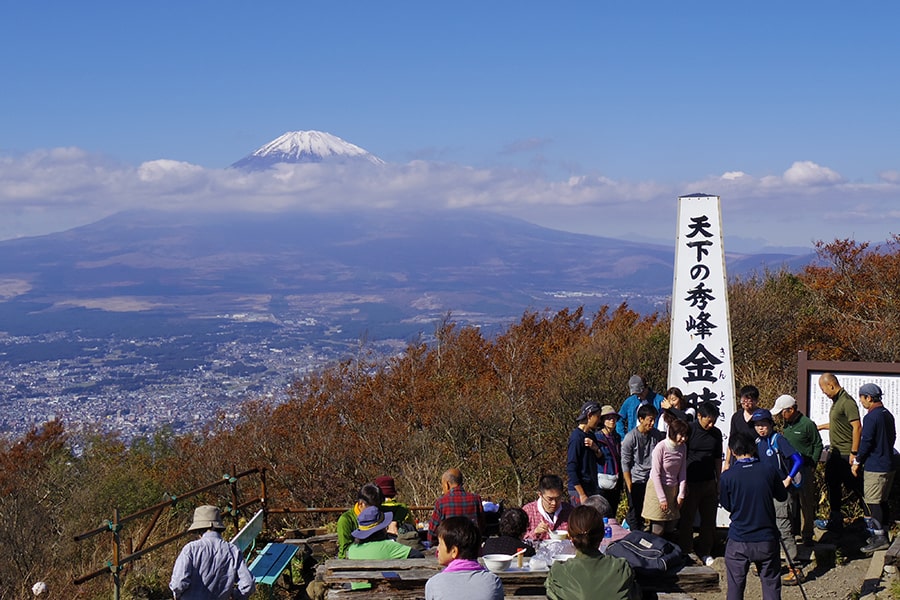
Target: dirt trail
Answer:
[[842, 581]]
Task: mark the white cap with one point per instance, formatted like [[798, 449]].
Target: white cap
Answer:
[[784, 401]]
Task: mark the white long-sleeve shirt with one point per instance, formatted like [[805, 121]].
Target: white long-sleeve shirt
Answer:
[[209, 569]]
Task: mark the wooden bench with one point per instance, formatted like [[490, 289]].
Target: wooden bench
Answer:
[[892, 555], [411, 575], [690, 579], [320, 547], [271, 561]]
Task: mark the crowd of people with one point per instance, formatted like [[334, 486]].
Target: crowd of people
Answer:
[[668, 458], [675, 473]]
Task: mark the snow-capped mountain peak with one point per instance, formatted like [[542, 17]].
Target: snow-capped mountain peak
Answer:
[[306, 146]]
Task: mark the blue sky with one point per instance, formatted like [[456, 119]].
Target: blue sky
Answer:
[[586, 116]]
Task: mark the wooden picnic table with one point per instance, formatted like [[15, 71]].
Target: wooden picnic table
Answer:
[[320, 546], [405, 579], [411, 575]]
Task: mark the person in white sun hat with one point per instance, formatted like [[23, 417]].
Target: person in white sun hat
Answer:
[[803, 434], [210, 568]]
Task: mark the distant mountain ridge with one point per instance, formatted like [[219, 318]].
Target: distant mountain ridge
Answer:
[[306, 147], [488, 267]]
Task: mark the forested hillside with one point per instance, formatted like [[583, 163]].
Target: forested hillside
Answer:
[[500, 408]]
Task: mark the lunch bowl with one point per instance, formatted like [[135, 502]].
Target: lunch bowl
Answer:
[[496, 563], [558, 536]]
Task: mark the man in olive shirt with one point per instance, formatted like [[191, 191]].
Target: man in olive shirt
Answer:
[[845, 429]]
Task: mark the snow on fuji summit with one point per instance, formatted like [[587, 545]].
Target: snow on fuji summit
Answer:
[[306, 147]]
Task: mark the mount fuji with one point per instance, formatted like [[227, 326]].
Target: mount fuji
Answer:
[[306, 147]]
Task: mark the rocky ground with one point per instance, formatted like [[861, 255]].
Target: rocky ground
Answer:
[[844, 580]]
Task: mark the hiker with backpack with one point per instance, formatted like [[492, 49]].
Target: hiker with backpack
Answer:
[[775, 449]]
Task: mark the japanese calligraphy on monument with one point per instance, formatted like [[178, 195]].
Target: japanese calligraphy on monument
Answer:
[[700, 361]]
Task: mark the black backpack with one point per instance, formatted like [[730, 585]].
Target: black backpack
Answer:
[[647, 554]]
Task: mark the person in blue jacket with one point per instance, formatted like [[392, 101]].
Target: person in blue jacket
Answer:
[[582, 453], [641, 394], [775, 449]]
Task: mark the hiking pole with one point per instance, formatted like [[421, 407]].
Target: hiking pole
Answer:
[[793, 568]]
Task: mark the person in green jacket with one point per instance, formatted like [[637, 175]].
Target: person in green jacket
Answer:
[[371, 541], [402, 516], [591, 574], [369, 495], [803, 434]]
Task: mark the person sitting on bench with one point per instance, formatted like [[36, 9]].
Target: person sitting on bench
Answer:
[[458, 543], [371, 540]]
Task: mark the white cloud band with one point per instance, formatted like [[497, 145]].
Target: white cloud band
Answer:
[[806, 202]]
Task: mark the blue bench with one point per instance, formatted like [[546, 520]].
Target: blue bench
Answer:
[[271, 561]]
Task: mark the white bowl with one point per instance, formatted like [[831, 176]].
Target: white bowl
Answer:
[[496, 563], [558, 536], [562, 557]]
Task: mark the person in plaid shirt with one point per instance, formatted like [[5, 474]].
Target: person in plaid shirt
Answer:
[[549, 512], [456, 502]]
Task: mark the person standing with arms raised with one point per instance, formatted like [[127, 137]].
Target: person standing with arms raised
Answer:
[[641, 394], [581, 455]]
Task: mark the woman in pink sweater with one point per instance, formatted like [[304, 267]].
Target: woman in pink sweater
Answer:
[[666, 485]]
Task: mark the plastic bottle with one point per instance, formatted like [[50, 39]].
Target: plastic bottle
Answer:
[[607, 535]]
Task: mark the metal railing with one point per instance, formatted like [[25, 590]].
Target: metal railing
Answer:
[[121, 558], [125, 554]]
